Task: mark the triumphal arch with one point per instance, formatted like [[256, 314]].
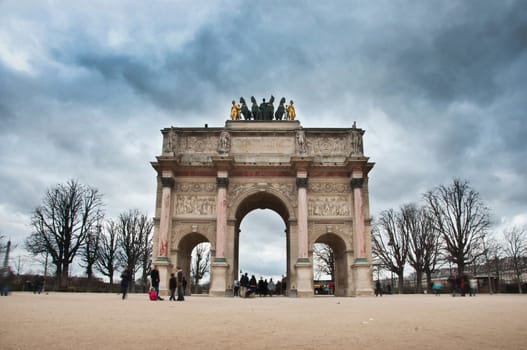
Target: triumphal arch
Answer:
[[316, 179]]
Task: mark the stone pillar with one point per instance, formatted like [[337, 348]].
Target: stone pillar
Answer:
[[222, 181], [303, 267], [301, 184], [219, 266], [361, 268], [164, 221], [358, 217]]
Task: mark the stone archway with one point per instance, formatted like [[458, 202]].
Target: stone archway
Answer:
[[183, 250], [260, 199], [315, 179], [341, 254]]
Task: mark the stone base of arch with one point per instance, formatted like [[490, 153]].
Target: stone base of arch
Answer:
[[304, 279], [218, 279], [362, 277]]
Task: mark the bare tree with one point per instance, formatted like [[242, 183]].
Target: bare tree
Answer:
[[146, 260], [491, 250], [515, 247], [461, 218], [89, 252], [132, 228], [423, 242], [390, 244], [200, 264], [325, 258], [107, 253], [60, 225]]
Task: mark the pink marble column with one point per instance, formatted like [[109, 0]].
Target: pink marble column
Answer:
[[356, 185], [301, 183], [164, 221], [221, 216]]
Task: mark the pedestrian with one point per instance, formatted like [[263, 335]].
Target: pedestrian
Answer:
[[378, 288], [244, 283], [125, 281], [6, 278], [473, 284], [436, 287], [154, 276], [152, 294], [180, 285], [236, 287], [271, 287], [172, 285]]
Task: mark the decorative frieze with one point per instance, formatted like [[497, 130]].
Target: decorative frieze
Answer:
[[328, 146], [195, 187], [329, 206], [328, 187], [195, 205]]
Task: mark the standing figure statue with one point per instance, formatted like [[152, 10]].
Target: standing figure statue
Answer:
[[224, 143], [280, 110], [245, 110], [270, 108], [257, 115], [290, 109], [263, 110], [356, 141], [301, 142], [235, 111]]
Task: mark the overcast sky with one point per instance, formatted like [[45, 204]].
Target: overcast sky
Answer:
[[86, 86]]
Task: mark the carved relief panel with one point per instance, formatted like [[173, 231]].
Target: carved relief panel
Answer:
[[329, 206], [195, 198]]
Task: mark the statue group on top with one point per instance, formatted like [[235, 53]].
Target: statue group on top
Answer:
[[264, 111]]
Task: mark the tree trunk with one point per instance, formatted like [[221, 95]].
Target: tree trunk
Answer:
[[419, 282], [400, 283]]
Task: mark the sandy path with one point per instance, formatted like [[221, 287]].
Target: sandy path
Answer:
[[104, 321]]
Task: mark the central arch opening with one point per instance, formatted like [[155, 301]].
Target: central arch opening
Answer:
[[263, 249], [262, 239]]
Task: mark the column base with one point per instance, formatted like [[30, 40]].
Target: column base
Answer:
[[218, 278], [362, 279], [304, 279]]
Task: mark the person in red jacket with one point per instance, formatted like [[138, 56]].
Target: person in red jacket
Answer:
[[152, 295]]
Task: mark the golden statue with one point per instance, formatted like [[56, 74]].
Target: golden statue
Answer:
[[290, 110], [235, 111]]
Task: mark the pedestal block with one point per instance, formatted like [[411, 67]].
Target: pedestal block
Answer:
[[304, 279], [361, 271], [218, 281]]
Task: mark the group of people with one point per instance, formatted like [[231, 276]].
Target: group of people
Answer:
[[461, 284], [245, 286], [177, 283]]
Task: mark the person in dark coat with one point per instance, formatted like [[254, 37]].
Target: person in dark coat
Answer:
[[125, 281], [180, 285], [172, 285]]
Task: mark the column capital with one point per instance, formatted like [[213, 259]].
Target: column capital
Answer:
[[167, 181], [301, 182], [222, 182], [357, 182]]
